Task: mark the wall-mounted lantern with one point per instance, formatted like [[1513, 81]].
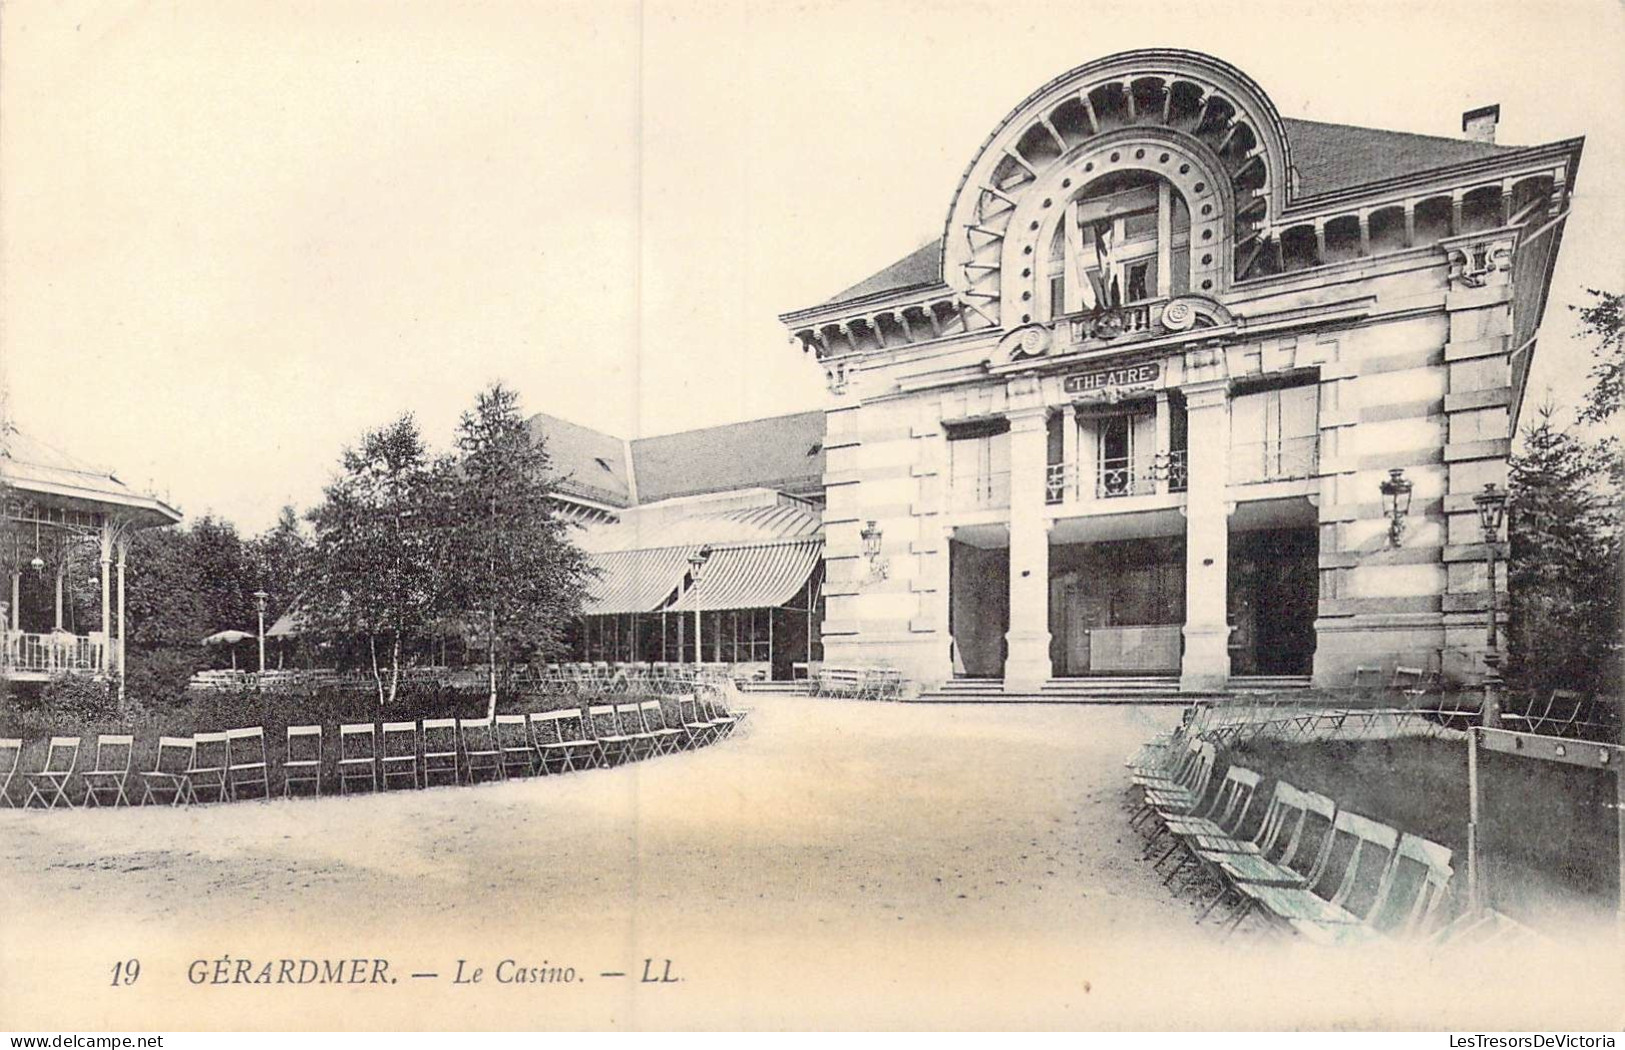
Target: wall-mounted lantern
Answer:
[[1492, 508], [871, 535], [871, 540], [1396, 501]]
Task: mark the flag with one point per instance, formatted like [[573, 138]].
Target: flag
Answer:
[[1080, 295], [1103, 261]]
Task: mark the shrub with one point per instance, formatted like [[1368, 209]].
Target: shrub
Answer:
[[159, 676], [71, 700]]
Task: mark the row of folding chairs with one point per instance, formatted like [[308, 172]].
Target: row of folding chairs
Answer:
[[232, 765], [215, 767], [1302, 863], [375, 757], [858, 683]]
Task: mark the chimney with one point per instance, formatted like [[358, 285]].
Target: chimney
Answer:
[[1479, 124]]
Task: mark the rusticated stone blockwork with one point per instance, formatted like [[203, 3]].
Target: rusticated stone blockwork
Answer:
[[1133, 413]]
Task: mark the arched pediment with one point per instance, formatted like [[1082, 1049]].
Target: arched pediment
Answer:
[[1181, 115]]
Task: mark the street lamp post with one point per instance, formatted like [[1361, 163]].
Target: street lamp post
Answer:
[[1492, 505], [259, 602], [696, 562]]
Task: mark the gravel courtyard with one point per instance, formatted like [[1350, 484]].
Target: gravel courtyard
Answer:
[[833, 864]]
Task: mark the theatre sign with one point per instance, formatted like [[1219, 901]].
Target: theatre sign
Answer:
[[1141, 374]]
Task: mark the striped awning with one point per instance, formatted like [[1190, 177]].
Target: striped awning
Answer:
[[754, 577], [635, 581]]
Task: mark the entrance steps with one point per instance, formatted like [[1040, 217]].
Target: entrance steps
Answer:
[[1268, 683], [798, 687], [1116, 689]]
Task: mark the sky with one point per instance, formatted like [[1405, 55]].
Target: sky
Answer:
[[234, 236]]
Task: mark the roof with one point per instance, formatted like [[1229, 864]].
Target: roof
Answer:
[[923, 265], [1328, 158], [31, 466], [589, 463], [1331, 157], [635, 581], [752, 577], [671, 527], [783, 453]]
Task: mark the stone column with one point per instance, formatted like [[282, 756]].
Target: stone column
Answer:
[[1165, 444], [123, 548], [1206, 663], [1071, 477], [107, 594], [1026, 664]]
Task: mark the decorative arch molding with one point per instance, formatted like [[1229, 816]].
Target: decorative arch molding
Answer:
[[1168, 96], [1185, 163]]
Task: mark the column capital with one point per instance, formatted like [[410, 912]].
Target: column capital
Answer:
[[1207, 393], [1032, 417]]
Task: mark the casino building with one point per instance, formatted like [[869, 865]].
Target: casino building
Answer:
[[1132, 414]]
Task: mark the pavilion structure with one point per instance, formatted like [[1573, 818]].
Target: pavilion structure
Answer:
[[62, 520]]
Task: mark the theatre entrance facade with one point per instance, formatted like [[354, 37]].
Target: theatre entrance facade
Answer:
[[1131, 415]]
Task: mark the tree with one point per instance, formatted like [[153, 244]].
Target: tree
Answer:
[[516, 573], [281, 558], [1566, 557], [225, 574], [376, 564], [1604, 320]]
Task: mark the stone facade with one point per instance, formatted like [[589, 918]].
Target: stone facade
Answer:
[[1249, 346]]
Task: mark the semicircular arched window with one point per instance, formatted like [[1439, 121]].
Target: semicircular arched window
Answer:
[[1122, 239]]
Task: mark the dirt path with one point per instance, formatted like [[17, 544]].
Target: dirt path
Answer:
[[835, 864]]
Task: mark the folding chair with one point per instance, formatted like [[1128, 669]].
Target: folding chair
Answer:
[[114, 756], [1355, 873], [60, 759], [210, 760], [1556, 718], [630, 719], [168, 771], [1416, 880], [440, 750], [700, 730], [612, 742], [547, 742], [715, 712], [1183, 796], [667, 740], [358, 755], [1225, 817], [245, 762], [11, 756], [519, 756], [480, 749], [1289, 849], [400, 757], [577, 733], [304, 764]]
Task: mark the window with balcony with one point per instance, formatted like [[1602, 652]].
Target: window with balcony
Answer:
[[1124, 239], [979, 464], [1275, 434]]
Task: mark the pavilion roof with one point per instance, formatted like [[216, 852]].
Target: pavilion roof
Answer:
[[47, 474]]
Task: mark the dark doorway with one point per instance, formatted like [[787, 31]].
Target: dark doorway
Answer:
[[1274, 598], [978, 608]]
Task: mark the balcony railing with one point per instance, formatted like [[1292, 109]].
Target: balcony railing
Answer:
[[55, 653], [987, 491], [1274, 460], [1121, 477]]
